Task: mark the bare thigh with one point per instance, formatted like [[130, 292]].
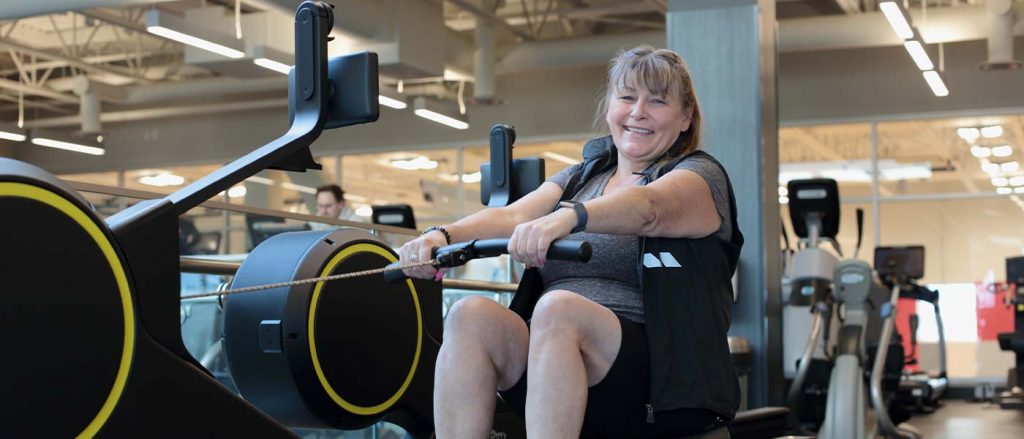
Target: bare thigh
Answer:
[[595, 328]]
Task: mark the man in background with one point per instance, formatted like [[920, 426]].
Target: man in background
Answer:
[[330, 203]]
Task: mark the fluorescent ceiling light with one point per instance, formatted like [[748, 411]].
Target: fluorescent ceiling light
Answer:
[[1000, 181], [59, 141], [1018, 190], [852, 175], [783, 191], [561, 158], [12, 133], [1004, 190], [163, 179], [853, 171], [237, 191], [968, 134], [1017, 181], [433, 111], [297, 187], [990, 168], [1009, 166], [391, 102], [364, 211], [272, 59], [1002, 151], [174, 28], [992, 131], [920, 57], [907, 172], [783, 200], [897, 19], [981, 151], [260, 180], [421, 162], [935, 82], [268, 63], [471, 177]]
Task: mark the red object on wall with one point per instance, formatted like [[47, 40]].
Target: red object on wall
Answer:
[[904, 308], [994, 315]]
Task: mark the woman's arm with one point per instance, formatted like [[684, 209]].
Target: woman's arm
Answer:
[[501, 221], [488, 223], [677, 205]]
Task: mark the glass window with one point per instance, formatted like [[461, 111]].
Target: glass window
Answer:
[[952, 155]]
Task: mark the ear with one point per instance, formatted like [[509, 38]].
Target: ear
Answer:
[[687, 118]]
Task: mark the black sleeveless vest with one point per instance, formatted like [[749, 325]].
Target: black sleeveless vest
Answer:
[[686, 285]]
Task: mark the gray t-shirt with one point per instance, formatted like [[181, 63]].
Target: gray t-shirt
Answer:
[[610, 278]]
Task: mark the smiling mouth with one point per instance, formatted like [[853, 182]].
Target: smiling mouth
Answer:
[[636, 130]]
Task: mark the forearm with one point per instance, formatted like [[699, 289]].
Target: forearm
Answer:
[[488, 223]]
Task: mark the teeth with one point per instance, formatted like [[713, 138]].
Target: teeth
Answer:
[[639, 130]]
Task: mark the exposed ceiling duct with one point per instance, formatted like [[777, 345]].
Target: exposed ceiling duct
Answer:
[[21, 9], [1000, 40], [89, 108], [483, 59]]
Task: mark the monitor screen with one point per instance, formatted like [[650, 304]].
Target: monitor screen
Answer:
[[900, 261]]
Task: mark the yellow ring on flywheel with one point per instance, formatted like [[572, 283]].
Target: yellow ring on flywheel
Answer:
[[10, 189], [352, 408]]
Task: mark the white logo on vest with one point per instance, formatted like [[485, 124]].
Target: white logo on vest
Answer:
[[665, 259]]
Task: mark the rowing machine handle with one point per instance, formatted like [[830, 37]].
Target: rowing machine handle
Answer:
[[460, 253]]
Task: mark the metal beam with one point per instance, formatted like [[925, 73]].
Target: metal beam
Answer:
[[491, 18], [15, 85], [33, 104], [8, 44]]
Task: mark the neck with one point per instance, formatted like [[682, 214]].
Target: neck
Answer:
[[626, 167]]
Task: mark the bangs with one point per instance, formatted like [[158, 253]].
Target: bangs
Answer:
[[650, 73]]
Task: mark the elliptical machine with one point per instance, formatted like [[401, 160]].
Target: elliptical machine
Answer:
[[814, 214], [900, 267]]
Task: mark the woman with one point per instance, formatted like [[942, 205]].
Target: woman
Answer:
[[597, 354]]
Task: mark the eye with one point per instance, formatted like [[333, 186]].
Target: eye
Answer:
[[627, 98], [658, 101]]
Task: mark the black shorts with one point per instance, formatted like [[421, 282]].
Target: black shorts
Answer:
[[617, 406]]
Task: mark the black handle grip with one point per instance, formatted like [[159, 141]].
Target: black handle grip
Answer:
[[561, 250]]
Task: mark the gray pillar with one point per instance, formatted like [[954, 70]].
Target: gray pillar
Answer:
[[730, 47]]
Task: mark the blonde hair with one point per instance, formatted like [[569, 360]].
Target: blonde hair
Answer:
[[661, 72]]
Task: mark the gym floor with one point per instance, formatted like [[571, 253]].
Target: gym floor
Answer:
[[960, 420]]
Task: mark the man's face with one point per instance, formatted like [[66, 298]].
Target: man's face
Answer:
[[327, 206]]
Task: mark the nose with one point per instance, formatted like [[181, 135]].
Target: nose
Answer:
[[638, 110]]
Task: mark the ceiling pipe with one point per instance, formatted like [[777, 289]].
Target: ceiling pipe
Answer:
[[161, 112], [89, 109], [483, 59], [202, 89], [21, 9], [1000, 39]]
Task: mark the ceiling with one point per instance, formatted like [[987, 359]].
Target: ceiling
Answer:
[[43, 53]]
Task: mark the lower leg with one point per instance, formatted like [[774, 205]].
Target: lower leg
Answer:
[[556, 396], [464, 391]]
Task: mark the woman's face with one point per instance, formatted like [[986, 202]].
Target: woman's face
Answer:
[[644, 125]]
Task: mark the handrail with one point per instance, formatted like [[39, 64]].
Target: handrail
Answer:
[[192, 264], [146, 195]]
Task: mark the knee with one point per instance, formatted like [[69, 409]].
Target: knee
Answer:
[[555, 314], [469, 313]]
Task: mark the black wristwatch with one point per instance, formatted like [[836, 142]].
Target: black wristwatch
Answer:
[[581, 214]]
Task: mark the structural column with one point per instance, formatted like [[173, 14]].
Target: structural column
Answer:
[[730, 47]]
